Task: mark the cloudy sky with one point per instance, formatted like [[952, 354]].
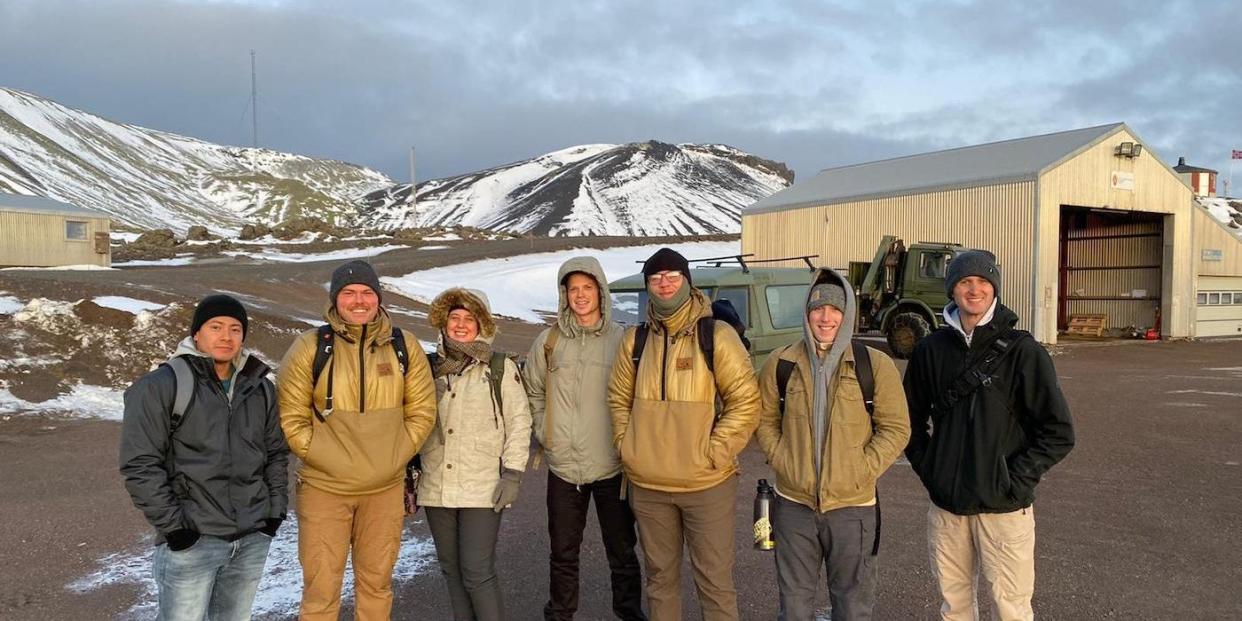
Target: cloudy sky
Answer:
[[476, 84]]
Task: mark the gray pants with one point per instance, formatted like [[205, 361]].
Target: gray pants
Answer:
[[466, 549], [843, 540]]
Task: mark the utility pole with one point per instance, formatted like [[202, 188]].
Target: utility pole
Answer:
[[254, 103]]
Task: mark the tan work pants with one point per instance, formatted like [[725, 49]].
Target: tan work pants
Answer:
[[327, 524], [1000, 547], [703, 520]]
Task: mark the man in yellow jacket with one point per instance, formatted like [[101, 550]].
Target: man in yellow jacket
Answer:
[[354, 428], [677, 448], [827, 451]]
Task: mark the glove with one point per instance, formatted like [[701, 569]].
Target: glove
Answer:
[[506, 490], [181, 539], [270, 525]]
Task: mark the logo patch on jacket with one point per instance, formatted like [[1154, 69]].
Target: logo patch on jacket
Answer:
[[385, 368], [684, 364]]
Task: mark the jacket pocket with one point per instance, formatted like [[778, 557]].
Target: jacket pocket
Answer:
[[666, 444]]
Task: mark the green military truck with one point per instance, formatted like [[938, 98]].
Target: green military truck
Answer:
[[771, 301], [900, 291]]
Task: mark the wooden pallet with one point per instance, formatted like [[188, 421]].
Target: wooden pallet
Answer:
[[1087, 325]]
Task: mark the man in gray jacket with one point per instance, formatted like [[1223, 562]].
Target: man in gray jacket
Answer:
[[208, 474], [566, 374]]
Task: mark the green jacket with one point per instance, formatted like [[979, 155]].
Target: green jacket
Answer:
[[569, 398]]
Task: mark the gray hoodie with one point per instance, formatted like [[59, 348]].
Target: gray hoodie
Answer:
[[824, 367]]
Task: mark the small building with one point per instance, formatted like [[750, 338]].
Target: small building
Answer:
[[1202, 181], [36, 231], [1218, 259], [1088, 221]]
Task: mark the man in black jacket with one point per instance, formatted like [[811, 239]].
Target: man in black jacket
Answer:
[[998, 422], [211, 480]]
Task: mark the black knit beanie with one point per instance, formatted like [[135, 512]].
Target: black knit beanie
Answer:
[[667, 260], [219, 306], [357, 272], [979, 263]]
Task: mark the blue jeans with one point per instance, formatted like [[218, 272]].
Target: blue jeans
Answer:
[[213, 578]]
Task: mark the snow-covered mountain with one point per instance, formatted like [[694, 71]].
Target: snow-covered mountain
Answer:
[[147, 178], [648, 188]]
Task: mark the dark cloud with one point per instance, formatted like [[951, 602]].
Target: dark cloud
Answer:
[[476, 84]]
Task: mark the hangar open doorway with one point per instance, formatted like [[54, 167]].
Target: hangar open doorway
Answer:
[[1112, 264]]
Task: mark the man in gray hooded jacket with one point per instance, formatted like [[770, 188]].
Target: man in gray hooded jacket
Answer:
[[566, 375], [212, 483], [827, 451]]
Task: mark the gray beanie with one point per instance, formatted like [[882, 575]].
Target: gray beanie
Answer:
[[979, 263], [826, 293], [356, 272]]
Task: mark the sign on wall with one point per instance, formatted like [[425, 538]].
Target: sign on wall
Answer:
[[1213, 254], [1123, 180]]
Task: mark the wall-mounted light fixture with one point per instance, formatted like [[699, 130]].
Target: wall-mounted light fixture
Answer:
[[1128, 149]]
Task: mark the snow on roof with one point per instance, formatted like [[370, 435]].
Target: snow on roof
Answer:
[[984, 164], [42, 204]]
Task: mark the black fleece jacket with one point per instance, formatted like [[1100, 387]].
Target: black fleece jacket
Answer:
[[989, 451]]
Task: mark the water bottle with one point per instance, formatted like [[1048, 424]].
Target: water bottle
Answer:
[[764, 496]]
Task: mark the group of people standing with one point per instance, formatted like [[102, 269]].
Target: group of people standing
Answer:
[[647, 421]]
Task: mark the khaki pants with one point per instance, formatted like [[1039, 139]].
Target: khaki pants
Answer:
[[703, 520], [1000, 547], [327, 523]]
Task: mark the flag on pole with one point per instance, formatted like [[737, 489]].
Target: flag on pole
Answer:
[[1237, 155]]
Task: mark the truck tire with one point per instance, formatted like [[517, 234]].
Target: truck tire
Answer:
[[904, 332]]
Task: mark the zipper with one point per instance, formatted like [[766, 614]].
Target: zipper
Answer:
[[362, 372], [664, 367]]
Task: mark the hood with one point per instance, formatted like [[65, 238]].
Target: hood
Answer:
[[565, 318], [472, 300], [846, 331]]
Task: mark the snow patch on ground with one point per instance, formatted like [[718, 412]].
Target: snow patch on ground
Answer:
[[182, 260], [45, 313], [280, 590], [295, 257], [522, 285], [82, 401], [129, 305], [10, 305]]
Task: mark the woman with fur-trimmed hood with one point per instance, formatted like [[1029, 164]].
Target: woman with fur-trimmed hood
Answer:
[[473, 460]]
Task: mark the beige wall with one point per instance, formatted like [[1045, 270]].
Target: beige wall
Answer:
[[38, 240], [1212, 235], [997, 218], [1086, 181]]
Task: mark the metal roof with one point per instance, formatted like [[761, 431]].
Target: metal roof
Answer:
[[1021, 159], [43, 204]]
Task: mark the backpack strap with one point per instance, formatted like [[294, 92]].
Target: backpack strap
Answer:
[[398, 346], [496, 372], [185, 391], [784, 369], [640, 343], [707, 341], [865, 375], [978, 370], [269, 394], [324, 340], [549, 345]]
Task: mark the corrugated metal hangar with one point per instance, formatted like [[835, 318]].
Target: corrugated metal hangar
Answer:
[[1088, 221]]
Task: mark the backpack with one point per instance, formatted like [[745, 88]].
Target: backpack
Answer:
[[326, 338], [185, 391], [496, 372], [862, 369]]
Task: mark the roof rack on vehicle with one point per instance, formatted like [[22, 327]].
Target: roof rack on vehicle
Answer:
[[741, 260]]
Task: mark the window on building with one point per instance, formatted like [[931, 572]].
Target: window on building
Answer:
[[1213, 298], [75, 230], [786, 304], [1237, 297], [1201, 299]]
